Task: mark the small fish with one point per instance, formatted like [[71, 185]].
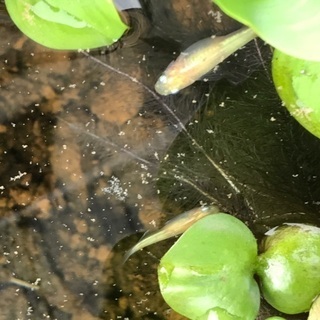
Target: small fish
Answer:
[[172, 228], [199, 59]]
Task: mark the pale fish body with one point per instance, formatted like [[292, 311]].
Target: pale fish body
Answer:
[[314, 313], [199, 59], [172, 228]]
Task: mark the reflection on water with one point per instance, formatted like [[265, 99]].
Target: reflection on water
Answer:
[[89, 157]]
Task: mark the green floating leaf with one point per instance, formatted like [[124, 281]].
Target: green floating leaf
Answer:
[[289, 268], [297, 82], [65, 24], [208, 272], [292, 27]]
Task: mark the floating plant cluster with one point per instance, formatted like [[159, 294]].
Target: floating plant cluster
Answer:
[[209, 273]]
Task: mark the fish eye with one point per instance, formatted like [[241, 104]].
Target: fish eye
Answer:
[[163, 79]]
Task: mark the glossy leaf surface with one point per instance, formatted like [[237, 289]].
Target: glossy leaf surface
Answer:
[[65, 24], [208, 272], [292, 27]]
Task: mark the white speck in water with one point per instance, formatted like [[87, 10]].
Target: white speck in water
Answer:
[[215, 69], [116, 189], [217, 15], [153, 223], [29, 311], [18, 176]]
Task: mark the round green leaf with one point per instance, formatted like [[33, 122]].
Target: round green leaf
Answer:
[[289, 267], [292, 27], [209, 271], [297, 82], [64, 24]]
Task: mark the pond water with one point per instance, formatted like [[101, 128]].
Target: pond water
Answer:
[[91, 157]]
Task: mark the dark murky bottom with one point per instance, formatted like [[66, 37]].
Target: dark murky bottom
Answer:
[[89, 157]]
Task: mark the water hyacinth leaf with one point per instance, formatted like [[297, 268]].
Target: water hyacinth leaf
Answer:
[[208, 272], [66, 24], [293, 28], [297, 82], [289, 267]]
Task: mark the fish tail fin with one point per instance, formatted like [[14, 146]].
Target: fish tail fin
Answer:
[[136, 247], [127, 255]]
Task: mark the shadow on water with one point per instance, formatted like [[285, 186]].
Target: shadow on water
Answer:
[[90, 155]]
